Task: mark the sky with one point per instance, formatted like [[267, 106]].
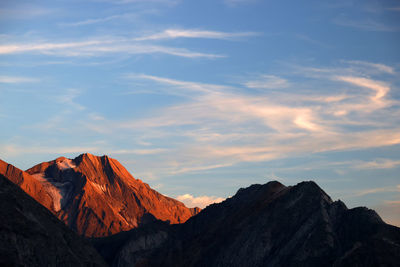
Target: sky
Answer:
[[201, 98]]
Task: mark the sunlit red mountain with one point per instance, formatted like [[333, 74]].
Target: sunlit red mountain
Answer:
[[95, 196]]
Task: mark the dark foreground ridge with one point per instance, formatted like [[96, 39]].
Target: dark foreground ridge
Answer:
[[31, 236], [263, 225]]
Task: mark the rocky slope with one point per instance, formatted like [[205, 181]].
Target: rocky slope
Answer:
[[31, 236], [96, 196], [29, 184], [263, 225]]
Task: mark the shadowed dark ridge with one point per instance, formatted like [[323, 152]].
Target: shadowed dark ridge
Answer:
[[264, 225], [31, 236]]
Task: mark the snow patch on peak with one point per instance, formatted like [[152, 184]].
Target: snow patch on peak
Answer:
[[66, 164], [54, 192]]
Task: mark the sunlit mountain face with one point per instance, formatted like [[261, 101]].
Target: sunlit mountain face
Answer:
[[96, 196], [200, 98]]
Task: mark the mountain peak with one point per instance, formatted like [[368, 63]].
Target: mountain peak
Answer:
[[96, 195], [312, 188], [87, 157]]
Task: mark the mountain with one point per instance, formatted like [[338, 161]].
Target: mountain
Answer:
[[263, 225], [96, 196], [27, 183], [30, 235]]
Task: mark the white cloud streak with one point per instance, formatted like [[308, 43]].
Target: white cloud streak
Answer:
[[68, 98], [365, 25], [109, 45], [192, 33], [193, 169], [376, 67], [380, 88], [17, 79], [99, 47], [378, 190], [98, 20], [267, 82], [378, 164]]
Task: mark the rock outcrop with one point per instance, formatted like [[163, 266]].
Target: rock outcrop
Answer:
[[30, 235], [263, 225]]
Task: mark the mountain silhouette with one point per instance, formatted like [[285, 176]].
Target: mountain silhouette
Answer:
[[263, 225]]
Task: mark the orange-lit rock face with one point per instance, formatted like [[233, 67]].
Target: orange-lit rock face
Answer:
[[29, 184], [97, 196]]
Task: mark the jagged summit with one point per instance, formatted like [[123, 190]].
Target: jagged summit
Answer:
[[96, 195]]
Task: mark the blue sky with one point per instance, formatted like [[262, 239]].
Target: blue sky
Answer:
[[200, 98]]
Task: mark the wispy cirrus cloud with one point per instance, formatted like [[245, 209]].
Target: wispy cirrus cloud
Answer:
[[378, 190], [109, 45], [98, 20], [365, 25], [17, 79], [372, 67], [196, 168], [378, 164], [193, 33], [380, 88], [99, 47], [68, 99], [267, 127], [214, 126], [267, 82], [187, 86]]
